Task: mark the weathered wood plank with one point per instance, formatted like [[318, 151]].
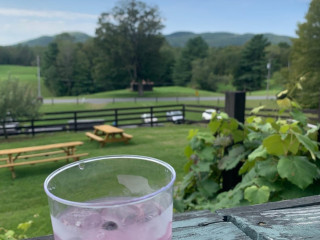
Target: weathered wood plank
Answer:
[[289, 223], [216, 231], [299, 202]]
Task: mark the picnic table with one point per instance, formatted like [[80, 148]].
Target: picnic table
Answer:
[[289, 219], [67, 149], [108, 134]]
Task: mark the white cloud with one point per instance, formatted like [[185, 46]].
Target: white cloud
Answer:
[[14, 12], [17, 25]]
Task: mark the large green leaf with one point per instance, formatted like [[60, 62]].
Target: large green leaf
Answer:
[[236, 154], [292, 143], [312, 146], [260, 152], [206, 137], [275, 145], [206, 153], [257, 195], [188, 151], [238, 135], [214, 125], [299, 116], [267, 169], [298, 170], [202, 166], [246, 167], [208, 187], [192, 133]]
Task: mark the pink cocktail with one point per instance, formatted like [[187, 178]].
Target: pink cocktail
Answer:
[[112, 198]]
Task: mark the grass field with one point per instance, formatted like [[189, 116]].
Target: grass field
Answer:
[[28, 74], [24, 197], [25, 74]]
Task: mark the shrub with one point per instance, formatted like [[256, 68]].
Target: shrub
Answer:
[[276, 159]]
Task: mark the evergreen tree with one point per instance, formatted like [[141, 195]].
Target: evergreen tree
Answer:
[[196, 48], [305, 68], [252, 68]]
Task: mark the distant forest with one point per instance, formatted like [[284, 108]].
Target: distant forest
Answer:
[[72, 62]]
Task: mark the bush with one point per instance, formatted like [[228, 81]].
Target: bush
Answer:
[[276, 159]]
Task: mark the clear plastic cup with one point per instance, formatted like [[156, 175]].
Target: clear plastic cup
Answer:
[[123, 197]]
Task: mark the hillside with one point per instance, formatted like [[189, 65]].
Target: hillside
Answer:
[[221, 39], [179, 39], [45, 40]]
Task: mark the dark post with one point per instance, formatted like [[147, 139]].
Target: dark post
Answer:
[[151, 113], [235, 104], [32, 126], [116, 117], [183, 113], [319, 121], [235, 107], [75, 121]]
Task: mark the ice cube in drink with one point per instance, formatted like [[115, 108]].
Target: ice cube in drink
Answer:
[[143, 221]]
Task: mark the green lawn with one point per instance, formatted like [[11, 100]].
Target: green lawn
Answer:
[[24, 197], [28, 74], [174, 91], [25, 74]]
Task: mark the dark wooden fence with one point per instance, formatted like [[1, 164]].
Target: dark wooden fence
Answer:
[[122, 117]]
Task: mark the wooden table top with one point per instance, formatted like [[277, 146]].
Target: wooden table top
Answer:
[[39, 148], [108, 129], [290, 219]]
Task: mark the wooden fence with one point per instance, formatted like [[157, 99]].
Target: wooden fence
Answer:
[[122, 117]]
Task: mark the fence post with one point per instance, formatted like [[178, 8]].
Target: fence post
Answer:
[[75, 121], [318, 138], [151, 113], [116, 117], [183, 113], [235, 105], [32, 127]]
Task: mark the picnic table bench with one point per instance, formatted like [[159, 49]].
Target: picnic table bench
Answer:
[[290, 219], [108, 134], [62, 151]]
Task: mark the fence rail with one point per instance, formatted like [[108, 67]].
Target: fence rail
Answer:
[[86, 119]]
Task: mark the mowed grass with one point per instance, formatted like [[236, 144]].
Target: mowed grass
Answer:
[[24, 197], [25, 74], [173, 91], [28, 74]]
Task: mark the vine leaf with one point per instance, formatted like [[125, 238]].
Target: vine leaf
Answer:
[[298, 170], [257, 195], [308, 144], [214, 125], [267, 169], [236, 154], [260, 152], [275, 145]]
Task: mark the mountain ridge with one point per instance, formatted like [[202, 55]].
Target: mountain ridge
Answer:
[[178, 39]]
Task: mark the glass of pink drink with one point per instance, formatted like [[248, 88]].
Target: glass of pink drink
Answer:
[[123, 197]]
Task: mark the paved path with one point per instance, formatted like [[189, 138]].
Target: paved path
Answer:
[[153, 99]]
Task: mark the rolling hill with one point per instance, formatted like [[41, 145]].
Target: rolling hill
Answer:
[[221, 39], [45, 40], [179, 39]]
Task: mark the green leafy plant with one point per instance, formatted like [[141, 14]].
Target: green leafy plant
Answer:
[[276, 159], [18, 234]]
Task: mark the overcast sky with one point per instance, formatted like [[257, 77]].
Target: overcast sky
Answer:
[[22, 20]]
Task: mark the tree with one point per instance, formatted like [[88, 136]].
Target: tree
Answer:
[[196, 48], [18, 100], [306, 58], [252, 68], [130, 38]]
